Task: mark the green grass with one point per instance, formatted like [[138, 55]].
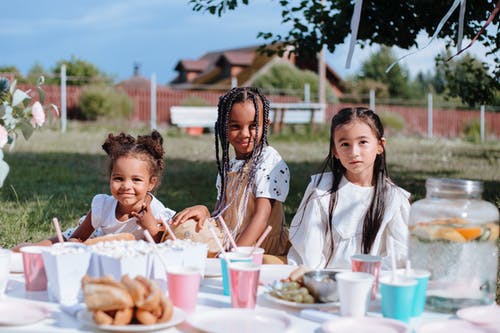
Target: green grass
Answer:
[[55, 174]]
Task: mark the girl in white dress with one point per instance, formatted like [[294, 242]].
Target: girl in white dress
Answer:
[[136, 166], [252, 184], [352, 206], [135, 170]]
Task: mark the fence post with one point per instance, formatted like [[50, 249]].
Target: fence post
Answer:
[[63, 98], [153, 101], [482, 123], [234, 82], [372, 100], [429, 115], [307, 93]]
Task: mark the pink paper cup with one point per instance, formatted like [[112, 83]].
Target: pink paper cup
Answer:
[[244, 281], [183, 285], [257, 255], [34, 269], [369, 264]]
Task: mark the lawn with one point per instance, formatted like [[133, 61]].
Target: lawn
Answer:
[[56, 174]]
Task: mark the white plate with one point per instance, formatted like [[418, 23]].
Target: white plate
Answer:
[[300, 305], [364, 325], [271, 273], [212, 268], [454, 326], [241, 321], [17, 313], [16, 262], [482, 315], [178, 317]]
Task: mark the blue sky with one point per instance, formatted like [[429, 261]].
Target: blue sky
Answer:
[[114, 34]]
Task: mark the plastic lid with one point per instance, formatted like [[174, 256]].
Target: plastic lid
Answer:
[[453, 187]]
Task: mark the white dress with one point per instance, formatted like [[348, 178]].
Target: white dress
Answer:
[[103, 210], [310, 245]]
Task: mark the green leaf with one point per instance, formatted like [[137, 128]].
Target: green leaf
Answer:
[[4, 169], [41, 95], [26, 129]]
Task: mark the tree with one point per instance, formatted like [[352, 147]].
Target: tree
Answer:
[[397, 79], [391, 23], [80, 72], [14, 71], [468, 79], [285, 77], [36, 71]]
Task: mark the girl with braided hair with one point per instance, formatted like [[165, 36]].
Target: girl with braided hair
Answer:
[[352, 206], [253, 183], [135, 169]]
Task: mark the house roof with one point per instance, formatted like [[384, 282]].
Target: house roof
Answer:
[[237, 58], [248, 58], [192, 65]]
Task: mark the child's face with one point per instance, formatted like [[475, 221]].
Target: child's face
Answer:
[[130, 181], [242, 128], [356, 146]]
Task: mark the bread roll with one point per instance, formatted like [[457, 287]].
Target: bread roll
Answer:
[[125, 236], [105, 294]]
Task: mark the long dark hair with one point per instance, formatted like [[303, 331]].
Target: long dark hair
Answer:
[[226, 102], [380, 180]]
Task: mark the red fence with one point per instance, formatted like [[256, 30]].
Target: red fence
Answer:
[[446, 123]]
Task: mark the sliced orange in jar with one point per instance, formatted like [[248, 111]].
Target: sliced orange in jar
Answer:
[[470, 233]]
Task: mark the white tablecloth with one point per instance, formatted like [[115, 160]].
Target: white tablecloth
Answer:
[[210, 298]]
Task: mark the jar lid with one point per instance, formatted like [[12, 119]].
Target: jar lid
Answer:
[[454, 186]]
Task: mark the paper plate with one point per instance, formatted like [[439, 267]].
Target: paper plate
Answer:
[[364, 325], [297, 305], [18, 313], [241, 321], [482, 315], [86, 317], [452, 326]]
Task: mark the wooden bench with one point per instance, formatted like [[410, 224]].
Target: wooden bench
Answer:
[[281, 114], [193, 116]]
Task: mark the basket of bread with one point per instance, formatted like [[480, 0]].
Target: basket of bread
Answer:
[[136, 301]]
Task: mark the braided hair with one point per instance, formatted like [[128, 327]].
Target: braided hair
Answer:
[[148, 148], [226, 102]]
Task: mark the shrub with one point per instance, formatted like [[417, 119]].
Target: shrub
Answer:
[[472, 131], [195, 101], [392, 121], [104, 101]]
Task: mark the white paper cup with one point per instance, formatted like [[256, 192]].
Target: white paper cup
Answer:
[[4, 270], [354, 290]]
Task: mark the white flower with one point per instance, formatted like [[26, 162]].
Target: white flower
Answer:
[[38, 115], [4, 136]]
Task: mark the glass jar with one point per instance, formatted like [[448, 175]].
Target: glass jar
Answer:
[[453, 234]]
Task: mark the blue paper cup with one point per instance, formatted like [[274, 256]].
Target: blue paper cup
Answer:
[[397, 296], [231, 257], [422, 277]]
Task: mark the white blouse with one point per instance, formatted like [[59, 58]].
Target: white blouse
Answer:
[[272, 179], [310, 245]]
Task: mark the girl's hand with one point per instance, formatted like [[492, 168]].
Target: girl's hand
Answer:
[[198, 213], [146, 220]]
